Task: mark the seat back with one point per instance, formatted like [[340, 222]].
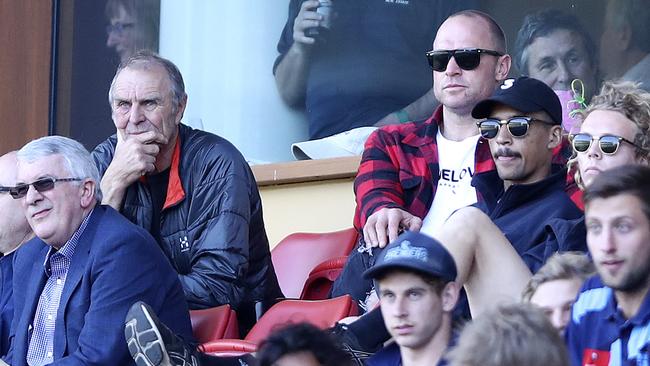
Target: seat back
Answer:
[[321, 313], [298, 254], [321, 279], [214, 323]]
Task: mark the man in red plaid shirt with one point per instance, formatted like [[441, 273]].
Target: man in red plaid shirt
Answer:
[[413, 176], [404, 166]]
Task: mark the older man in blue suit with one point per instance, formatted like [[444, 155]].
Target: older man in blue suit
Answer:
[[73, 283]]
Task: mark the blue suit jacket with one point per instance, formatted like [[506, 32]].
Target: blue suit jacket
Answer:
[[115, 264], [6, 302]]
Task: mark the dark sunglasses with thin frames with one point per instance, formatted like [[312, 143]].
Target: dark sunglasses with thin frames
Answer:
[[517, 126], [41, 185], [466, 58], [608, 144]]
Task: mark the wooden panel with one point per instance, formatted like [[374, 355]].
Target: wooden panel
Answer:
[[313, 207], [25, 33], [306, 170]]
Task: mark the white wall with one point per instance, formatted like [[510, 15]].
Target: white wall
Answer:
[[225, 50]]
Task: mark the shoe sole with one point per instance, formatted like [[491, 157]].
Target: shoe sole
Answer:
[[143, 338]]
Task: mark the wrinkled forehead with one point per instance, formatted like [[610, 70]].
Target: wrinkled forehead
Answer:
[[463, 31], [140, 77], [30, 169], [563, 40]]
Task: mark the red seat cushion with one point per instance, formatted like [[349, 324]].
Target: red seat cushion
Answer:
[[320, 280], [322, 313], [299, 253], [214, 323]]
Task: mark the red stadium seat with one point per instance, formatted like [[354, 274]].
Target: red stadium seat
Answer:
[[322, 313], [214, 323], [298, 254], [320, 280]]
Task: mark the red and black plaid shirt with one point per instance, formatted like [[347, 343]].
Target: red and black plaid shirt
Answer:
[[400, 169]]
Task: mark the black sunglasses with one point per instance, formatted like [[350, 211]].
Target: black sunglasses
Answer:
[[4, 189], [41, 185], [517, 126], [608, 144], [467, 58]]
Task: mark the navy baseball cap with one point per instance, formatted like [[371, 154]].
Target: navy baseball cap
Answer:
[[523, 94], [417, 252]]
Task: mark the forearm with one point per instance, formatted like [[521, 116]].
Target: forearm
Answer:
[[376, 194], [420, 109], [291, 75], [112, 191], [207, 290], [377, 184]]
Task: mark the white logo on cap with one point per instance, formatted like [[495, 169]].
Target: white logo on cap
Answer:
[[405, 250], [508, 83]]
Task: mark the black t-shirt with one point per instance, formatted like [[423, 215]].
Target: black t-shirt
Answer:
[[373, 61], [158, 188]]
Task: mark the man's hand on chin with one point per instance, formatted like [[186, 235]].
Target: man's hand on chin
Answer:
[[134, 157]]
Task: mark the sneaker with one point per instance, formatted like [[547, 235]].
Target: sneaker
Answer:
[[151, 343], [350, 344]]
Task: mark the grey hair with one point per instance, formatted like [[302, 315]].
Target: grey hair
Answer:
[[144, 60], [543, 23], [75, 155], [635, 14]]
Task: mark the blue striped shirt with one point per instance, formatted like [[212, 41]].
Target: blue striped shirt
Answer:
[[57, 264], [599, 334]]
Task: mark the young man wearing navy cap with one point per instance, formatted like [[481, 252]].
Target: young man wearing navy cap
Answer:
[[415, 275]]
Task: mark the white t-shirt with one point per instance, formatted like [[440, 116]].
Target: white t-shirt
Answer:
[[457, 167]]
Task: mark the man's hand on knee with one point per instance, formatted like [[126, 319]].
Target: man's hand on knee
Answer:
[[384, 226]]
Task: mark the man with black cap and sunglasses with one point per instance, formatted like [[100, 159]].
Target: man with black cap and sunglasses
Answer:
[[415, 278], [522, 123]]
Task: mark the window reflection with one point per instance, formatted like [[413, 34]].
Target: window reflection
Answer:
[[625, 42], [369, 66], [133, 25]]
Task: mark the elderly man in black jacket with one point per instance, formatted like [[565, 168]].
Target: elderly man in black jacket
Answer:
[[192, 190]]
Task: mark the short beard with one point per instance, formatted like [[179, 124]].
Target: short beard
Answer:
[[635, 281]]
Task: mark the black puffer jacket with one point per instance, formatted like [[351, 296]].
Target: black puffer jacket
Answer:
[[211, 226]]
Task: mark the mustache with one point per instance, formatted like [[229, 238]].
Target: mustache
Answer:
[[506, 152]]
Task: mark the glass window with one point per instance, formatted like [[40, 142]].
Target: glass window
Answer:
[[367, 62]]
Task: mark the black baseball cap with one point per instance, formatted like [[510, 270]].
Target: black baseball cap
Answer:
[[417, 252], [523, 94]]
